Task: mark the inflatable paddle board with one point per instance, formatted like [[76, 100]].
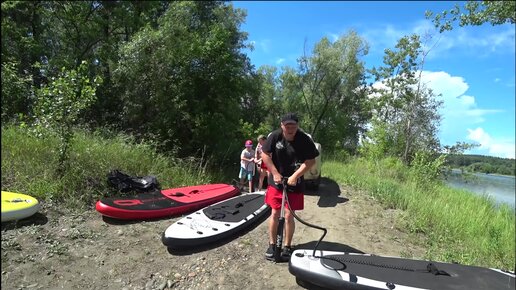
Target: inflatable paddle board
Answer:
[[338, 270], [216, 221], [17, 206], [168, 202]]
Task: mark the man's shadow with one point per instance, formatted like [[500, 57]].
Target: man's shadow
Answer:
[[329, 193]]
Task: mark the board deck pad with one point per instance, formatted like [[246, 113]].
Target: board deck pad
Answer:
[[235, 209], [337, 270], [16, 206], [167, 202], [216, 221]]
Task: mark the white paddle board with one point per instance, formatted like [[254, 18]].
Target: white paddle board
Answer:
[[216, 221], [339, 270]]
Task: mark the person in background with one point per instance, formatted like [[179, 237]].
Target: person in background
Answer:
[[288, 153], [247, 165], [262, 168]]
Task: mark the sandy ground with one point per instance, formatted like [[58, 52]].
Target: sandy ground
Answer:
[[61, 249]]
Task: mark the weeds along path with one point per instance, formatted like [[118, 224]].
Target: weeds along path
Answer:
[[59, 249]]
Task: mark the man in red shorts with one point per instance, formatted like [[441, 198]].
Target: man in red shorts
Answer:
[[287, 152]]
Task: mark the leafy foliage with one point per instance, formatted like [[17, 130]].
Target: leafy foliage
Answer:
[[405, 109], [182, 83], [327, 89], [59, 104], [427, 168], [475, 13], [15, 89], [175, 74]]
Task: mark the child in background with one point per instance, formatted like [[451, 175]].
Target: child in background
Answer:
[[247, 165], [262, 168]]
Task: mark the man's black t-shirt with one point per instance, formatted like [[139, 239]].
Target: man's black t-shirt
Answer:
[[287, 155]]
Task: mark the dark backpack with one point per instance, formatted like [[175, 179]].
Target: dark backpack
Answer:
[[126, 183]]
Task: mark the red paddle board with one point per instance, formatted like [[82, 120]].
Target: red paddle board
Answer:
[[164, 203]]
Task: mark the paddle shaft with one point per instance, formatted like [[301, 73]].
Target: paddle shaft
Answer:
[[281, 225]]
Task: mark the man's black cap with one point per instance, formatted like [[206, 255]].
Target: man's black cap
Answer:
[[289, 118]]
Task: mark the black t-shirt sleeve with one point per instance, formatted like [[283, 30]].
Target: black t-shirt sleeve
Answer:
[[308, 151], [271, 139]]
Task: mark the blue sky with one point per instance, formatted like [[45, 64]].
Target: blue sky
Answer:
[[472, 67]]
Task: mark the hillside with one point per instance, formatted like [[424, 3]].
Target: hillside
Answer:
[[483, 164]]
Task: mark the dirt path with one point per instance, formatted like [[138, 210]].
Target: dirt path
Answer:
[[65, 250]]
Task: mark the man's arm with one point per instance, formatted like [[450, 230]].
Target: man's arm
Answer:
[[267, 159], [242, 157], [257, 156]]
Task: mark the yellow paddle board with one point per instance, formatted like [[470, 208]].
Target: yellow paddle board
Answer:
[[16, 206]]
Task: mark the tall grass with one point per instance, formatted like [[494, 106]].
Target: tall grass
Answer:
[[459, 226], [29, 165]]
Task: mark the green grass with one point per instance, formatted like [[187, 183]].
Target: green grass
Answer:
[[459, 226], [29, 165]]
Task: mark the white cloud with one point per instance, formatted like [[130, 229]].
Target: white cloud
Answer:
[[382, 38], [496, 80], [460, 112], [479, 136], [500, 148], [450, 87], [457, 108], [264, 45], [480, 42], [280, 60], [333, 36]]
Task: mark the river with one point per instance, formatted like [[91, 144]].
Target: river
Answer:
[[500, 187]]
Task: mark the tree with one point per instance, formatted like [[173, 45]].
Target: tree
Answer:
[[459, 147], [22, 47], [406, 109], [476, 13], [56, 34], [182, 83], [270, 101], [59, 104], [327, 88], [15, 89], [94, 31]]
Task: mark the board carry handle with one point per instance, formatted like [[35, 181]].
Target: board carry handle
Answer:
[[17, 200], [195, 191]]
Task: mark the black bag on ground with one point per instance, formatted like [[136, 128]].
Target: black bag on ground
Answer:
[[126, 183]]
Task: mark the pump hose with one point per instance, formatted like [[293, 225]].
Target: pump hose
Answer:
[[309, 225]]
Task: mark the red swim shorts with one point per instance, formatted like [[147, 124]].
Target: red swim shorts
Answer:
[[273, 199]]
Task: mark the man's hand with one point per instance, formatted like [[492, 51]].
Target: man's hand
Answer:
[[292, 180], [277, 178]]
